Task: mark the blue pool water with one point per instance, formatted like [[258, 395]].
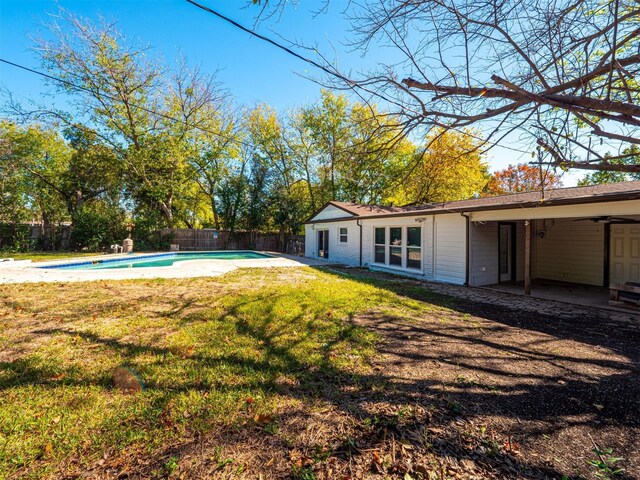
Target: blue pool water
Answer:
[[157, 260]]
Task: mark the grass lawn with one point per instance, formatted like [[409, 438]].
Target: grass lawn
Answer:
[[284, 373], [209, 353], [47, 256]]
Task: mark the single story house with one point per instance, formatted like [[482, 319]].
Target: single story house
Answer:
[[582, 235]]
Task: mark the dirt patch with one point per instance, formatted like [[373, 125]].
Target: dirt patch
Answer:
[[539, 392]]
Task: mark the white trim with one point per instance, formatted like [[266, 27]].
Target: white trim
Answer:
[[403, 246], [620, 208], [332, 212], [340, 234]]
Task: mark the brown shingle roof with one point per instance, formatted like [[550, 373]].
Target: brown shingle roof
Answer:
[[573, 195], [559, 196], [361, 210]]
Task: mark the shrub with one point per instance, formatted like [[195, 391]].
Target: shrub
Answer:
[[98, 227]]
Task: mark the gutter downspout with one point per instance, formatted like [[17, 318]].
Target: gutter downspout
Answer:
[[360, 225], [467, 248]]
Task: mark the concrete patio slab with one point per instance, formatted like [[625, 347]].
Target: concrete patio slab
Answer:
[[33, 273]]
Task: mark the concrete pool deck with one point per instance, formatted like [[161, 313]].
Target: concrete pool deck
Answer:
[[27, 272]]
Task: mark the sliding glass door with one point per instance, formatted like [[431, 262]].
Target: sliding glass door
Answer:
[[400, 247]]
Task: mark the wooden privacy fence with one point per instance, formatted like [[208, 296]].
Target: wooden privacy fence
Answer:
[[192, 239], [25, 236], [210, 239]]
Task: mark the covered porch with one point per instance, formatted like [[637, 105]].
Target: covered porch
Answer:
[[570, 254], [573, 293]]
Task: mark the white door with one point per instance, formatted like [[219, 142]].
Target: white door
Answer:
[[625, 253], [505, 254]]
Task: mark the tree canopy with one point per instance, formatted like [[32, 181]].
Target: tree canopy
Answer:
[[521, 178], [159, 145], [561, 75]]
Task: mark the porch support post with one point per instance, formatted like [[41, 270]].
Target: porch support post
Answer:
[[527, 257]]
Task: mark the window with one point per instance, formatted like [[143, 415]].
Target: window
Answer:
[[395, 246], [403, 244], [380, 239], [414, 247], [342, 232]]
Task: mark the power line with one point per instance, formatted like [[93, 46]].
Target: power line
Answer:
[[274, 43], [352, 84], [115, 99], [139, 107]]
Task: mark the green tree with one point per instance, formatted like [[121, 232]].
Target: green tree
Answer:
[[33, 157], [357, 151], [151, 120], [329, 128], [277, 174], [14, 191], [449, 167], [218, 161], [71, 178], [378, 154], [631, 157]]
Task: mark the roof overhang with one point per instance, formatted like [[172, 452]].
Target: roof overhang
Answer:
[[333, 204], [523, 210], [560, 210]]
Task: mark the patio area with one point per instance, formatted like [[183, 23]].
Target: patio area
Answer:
[[573, 293]]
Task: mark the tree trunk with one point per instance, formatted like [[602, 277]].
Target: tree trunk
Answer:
[[165, 208], [216, 218], [310, 187], [45, 231]]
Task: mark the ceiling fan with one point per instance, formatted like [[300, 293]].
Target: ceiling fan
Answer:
[[607, 219]]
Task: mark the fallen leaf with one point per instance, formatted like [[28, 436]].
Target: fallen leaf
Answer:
[[405, 445], [377, 467], [262, 419], [422, 470]]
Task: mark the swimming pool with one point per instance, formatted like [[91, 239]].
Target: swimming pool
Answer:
[[157, 260]]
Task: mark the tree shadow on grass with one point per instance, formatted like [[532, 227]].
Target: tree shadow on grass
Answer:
[[438, 420]]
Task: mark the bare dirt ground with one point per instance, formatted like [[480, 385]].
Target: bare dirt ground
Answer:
[[543, 391]]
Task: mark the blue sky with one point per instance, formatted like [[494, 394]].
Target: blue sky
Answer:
[[252, 70]]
